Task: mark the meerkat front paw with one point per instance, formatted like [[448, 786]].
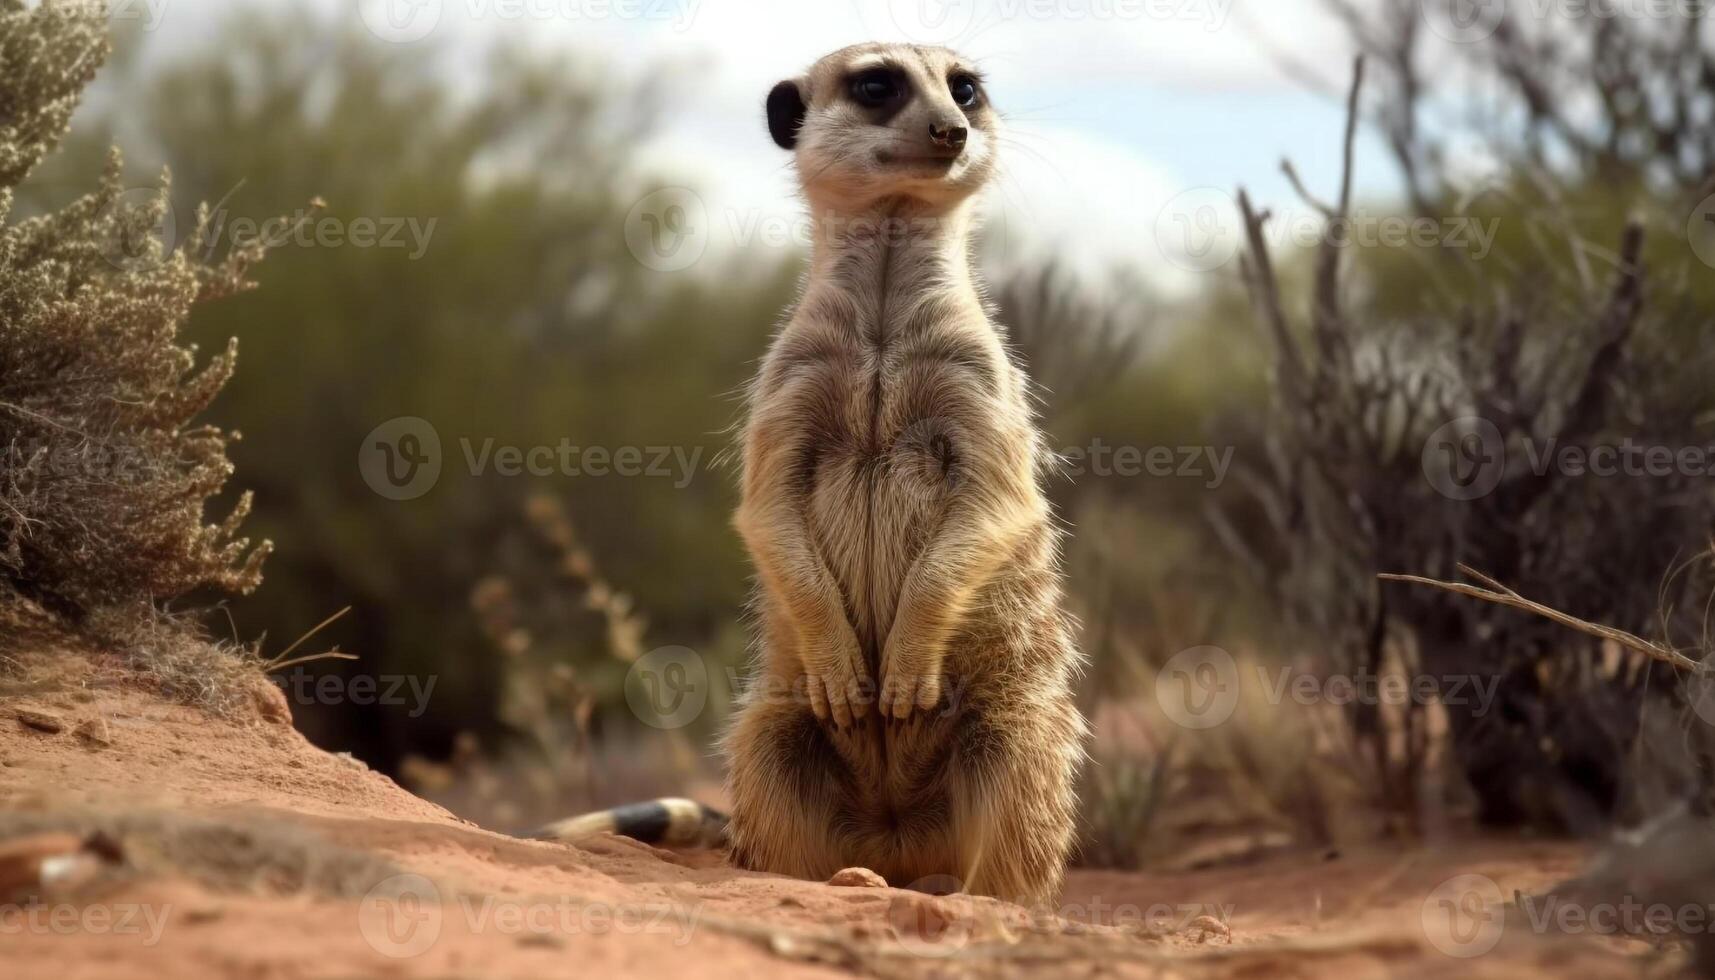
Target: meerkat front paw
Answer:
[[908, 683], [837, 684], [903, 693]]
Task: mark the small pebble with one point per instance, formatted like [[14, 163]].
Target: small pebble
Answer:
[[857, 878], [41, 721]]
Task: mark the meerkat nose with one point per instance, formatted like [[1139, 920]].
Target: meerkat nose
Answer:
[[948, 136]]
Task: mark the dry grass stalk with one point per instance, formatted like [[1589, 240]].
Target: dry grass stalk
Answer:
[[1501, 595]]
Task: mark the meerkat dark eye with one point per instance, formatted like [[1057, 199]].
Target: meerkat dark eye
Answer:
[[875, 88], [964, 90]]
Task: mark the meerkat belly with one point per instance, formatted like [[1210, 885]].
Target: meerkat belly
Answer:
[[878, 488]]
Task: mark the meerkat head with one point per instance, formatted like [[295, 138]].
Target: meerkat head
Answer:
[[887, 121]]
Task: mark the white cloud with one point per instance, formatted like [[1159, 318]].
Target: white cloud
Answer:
[[1089, 203]]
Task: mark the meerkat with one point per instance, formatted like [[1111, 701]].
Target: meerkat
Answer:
[[913, 708]]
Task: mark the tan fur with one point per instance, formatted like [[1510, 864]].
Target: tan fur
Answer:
[[913, 710]]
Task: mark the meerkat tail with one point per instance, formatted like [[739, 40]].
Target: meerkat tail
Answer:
[[669, 821]]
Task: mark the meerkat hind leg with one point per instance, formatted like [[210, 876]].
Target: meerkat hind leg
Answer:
[[788, 788], [1013, 811]]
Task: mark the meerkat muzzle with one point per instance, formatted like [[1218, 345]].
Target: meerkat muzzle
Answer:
[[952, 137]]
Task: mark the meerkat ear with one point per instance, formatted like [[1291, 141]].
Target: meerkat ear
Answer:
[[785, 113]]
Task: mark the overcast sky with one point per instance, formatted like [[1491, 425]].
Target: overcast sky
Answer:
[[1127, 120]]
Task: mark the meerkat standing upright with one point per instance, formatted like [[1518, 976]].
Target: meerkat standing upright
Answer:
[[913, 711]]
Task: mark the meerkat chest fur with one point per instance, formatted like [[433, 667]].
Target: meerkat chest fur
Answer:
[[897, 377]]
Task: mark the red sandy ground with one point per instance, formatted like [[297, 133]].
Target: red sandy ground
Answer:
[[611, 907]]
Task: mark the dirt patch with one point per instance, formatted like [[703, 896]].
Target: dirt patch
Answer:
[[164, 842]]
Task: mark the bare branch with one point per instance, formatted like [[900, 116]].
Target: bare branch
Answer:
[[1510, 598]]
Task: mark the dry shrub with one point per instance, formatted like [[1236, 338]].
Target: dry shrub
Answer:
[[104, 476], [1410, 440]]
